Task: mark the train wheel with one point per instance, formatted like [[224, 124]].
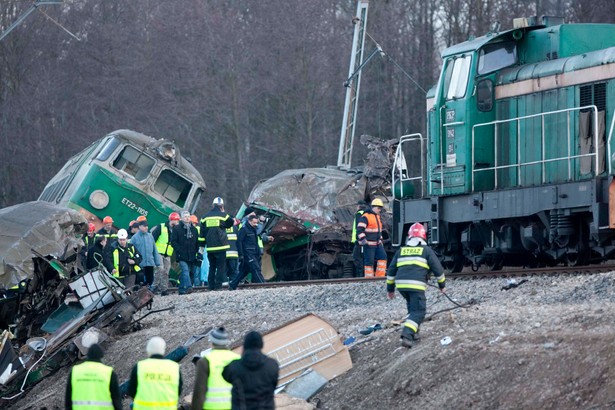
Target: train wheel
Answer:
[[455, 265], [495, 264]]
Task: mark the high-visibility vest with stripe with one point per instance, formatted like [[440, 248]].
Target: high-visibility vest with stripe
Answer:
[[218, 390], [201, 240], [214, 222], [353, 239], [157, 385], [231, 235], [162, 243], [90, 383], [116, 259]]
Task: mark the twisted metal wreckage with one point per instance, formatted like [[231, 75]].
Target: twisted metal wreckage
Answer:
[[47, 301]]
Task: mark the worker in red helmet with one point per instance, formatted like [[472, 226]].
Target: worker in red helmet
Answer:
[[162, 236], [108, 231], [88, 242], [409, 272]]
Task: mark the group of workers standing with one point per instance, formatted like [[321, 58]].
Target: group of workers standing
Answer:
[[224, 247], [224, 379]]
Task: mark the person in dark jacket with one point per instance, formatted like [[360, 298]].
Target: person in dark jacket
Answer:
[[98, 254], [249, 253], [409, 271], [254, 377], [92, 381], [184, 240], [126, 261], [213, 229]]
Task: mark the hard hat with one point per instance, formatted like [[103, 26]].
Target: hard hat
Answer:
[[133, 224], [91, 227], [174, 216], [141, 218], [377, 202], [122, 234], [194, 219], [417, 231], [218, 201], [107, 220]]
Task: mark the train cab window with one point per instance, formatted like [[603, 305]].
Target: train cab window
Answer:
[[134, 163], [456, 77], [484, 95], [493, 57], [195, 200], [173, 187], [107, 149]]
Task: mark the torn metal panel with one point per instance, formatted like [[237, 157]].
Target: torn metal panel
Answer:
[[311, 194], [308, 342], [39, 226]]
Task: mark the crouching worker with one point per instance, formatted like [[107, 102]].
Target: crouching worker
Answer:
[[211, 391], [155, 383], [93, 385], [409, 272]]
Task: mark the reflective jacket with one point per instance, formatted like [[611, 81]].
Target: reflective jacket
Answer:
[[357, 216], [218, 394], [411, 267], [370, 228], [213, 229], [162, 235], [231, 234], [90, 389], [157, 385], [120, 260]]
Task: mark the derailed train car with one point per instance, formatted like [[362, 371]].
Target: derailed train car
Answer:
[[518, 158], [310, 214], [127, 174]]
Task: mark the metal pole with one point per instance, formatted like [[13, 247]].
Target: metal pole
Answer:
[[25, 14]]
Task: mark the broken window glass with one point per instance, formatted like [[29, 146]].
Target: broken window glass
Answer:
[[173, 187], [134, 163]]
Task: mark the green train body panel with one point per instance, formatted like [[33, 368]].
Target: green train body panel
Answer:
[[485, 128], [126, 201]]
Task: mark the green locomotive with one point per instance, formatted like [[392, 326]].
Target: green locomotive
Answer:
[[125, 175], [517, 165]]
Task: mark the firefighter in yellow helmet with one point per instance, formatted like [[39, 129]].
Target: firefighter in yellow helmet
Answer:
[[409, 271], [369, 235]]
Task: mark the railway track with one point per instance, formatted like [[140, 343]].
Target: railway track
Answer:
[[507, 273]]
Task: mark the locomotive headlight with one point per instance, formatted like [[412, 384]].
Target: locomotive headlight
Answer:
[[99, 199]]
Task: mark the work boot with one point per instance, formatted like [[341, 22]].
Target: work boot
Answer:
[[416, 337], [164, 293], [405, 342]]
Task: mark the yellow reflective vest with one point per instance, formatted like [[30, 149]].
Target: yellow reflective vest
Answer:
[[231, 235], [157, 385], [218, 395], [90, 383], [163, 243]]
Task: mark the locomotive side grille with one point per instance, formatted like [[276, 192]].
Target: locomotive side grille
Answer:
[[593, 94], [600, 96]]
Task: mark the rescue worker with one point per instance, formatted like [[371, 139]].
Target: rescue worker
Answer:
[[409, 272], [126, 261], [133, 229], [213, 230], [108, 230], [146, 246], [184, 239], [211, 391], [156, 382], [98, 255], [92, 385], [249, 253], [369, 234], [197, 268], [88, 242], [254, 377], [162, 236], [232, 254], [357, 250]]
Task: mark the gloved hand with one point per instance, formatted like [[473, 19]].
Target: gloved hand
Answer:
[[201, 250], [363, 242]]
